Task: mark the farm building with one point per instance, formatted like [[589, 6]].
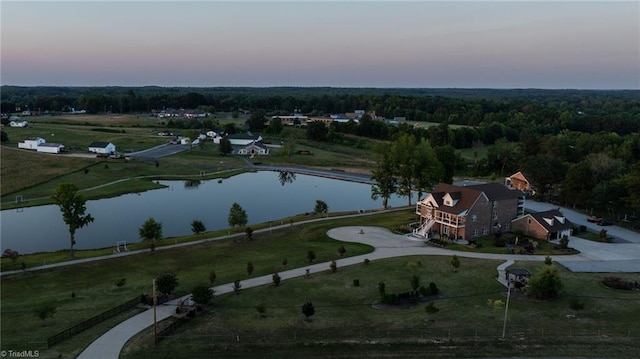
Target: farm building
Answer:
[[50, 147], [31, 143], [102, 147]]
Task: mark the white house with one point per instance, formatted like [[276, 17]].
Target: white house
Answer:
[[18, 124], [31, 143], [102, 147], [243, 140], [50, 148], [254, 148]]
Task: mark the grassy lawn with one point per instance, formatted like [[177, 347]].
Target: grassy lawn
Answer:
[[36, 175], [95, 289], [347, 323]]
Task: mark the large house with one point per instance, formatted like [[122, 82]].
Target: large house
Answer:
[[102, 147], [549, 225], [465, 212]]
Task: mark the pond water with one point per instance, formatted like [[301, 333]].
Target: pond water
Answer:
[[264, 195]]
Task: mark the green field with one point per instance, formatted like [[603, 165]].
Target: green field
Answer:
[[95, 289], [349, 323]]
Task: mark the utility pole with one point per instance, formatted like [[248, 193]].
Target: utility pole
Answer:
[[155, 322], [506, 309]]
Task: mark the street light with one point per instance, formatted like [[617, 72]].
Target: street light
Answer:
[[506, 308]]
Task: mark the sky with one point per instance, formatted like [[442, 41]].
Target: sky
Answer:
[[425, 44]]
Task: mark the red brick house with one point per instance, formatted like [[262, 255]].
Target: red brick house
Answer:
[[465, 212], [548, 225]]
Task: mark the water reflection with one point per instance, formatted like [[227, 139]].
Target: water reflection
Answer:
[[286, 177], [191, 184]]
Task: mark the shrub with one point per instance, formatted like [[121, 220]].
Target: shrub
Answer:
[[617, 283], [166, 283], [382, 289], [249, 268], [548, 261], [433, 289], [415, 282], [311, 256], [342, 251], [366, 261], [356, 282], [212, 277], [202, 294], [431, 308], [284, 262], [236, 286], [391, 299], [576, 304], [333, 266], [45, 311], [276, 279], [546, 284], [262, 310], [308, 310], [120, 282]]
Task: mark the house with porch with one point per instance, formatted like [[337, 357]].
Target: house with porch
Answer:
[[549, 225], [254, 148], [466, 212]]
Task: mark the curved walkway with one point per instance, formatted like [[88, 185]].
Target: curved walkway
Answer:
[[386, 244]]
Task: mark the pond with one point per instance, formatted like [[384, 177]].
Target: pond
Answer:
[[265, 196]]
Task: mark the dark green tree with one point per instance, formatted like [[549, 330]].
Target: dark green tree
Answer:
[[237, 216], [308, 310], [197, 227], [455, 262], [321, 207], [256, 121], [249, 268], [275, 126], [225, 146], [151, 231], [276, 279], [202, 294], [384, 174], [73, 208], [317, 131], [166, 283]]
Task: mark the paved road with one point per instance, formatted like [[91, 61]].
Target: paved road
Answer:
[[160, 151], [387, 245]]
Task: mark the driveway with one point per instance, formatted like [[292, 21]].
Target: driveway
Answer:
[[160, 151]]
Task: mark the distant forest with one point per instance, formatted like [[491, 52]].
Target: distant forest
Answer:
[[580, 146]]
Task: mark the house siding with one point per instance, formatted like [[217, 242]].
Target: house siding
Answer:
[[534, 229]]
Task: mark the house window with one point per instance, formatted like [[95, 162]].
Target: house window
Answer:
[[507, 226], [474, 218], [495, 204], [495, 214], [485, 231], [529, 221], [475, 232]]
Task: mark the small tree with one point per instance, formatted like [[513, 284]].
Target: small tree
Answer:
[[212, 277], [311, 256], [151, 231], [284, 262], [342, 250], [321, 207], [10, 253], [248, 233], [262, 310], [236, 286], [308, 310], [120, 282], [166, 283], [603, 235], [276, 279], [197, 227], [455, 263], [366, 261], [237, 216], [546, 284], [333, 266], [249, 268], [45, 311], [202, 294], [415, 282], [73, 208], [564, 242], [548, 261]]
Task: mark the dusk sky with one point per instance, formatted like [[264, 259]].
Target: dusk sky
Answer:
[[473, 44]]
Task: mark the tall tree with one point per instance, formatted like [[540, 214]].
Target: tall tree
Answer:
[[256, 121], [383, 174], [225, 146], [151, 231], [197, 226], [404, 160], [427, 168], [321, 207], [317, 131], [237, 216], [73, 208]]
